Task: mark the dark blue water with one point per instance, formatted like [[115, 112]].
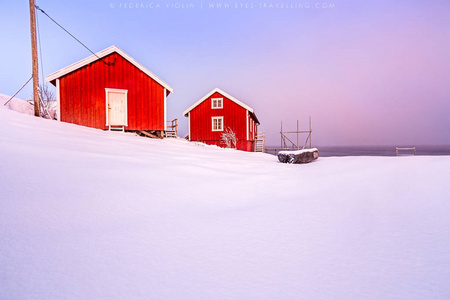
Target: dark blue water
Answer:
[[326, 151]]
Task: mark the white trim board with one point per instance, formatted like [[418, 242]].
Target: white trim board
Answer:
[[223, 94], [58, 101], [189, 125], [165, 111], [246, 122], [102, 54]]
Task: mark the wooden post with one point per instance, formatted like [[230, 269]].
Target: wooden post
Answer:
[[281, 135], [264, 142], [310, 132], [176, 127], [34, 59]]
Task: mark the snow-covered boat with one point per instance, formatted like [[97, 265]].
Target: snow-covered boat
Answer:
[[298, 156]]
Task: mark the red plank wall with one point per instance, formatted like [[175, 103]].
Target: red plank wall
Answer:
[[83, 96], [234, 116]]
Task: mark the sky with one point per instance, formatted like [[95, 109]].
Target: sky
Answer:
[[367, 72]]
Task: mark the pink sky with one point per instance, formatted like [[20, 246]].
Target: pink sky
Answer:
[[368, 72]]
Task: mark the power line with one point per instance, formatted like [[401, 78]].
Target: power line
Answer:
[[37, 7]]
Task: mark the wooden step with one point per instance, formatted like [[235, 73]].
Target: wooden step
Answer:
[[116, 128], [260, 142], [170, 134]]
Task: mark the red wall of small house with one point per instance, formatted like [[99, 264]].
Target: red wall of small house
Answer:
[[234, 116], [83, 95]]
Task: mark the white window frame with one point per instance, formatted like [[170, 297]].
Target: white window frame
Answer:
[[212, 123], [219, 100]]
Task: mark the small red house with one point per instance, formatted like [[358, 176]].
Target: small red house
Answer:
[[211, 115], [111, 90]]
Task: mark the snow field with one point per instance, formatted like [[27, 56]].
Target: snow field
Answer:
[[88, 214]]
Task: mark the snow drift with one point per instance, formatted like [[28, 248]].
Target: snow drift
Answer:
[[88, 214], [17, 104]]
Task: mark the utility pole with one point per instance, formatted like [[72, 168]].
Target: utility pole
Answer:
[[34, 58]]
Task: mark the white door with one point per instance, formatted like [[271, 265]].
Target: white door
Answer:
[[116, 101]]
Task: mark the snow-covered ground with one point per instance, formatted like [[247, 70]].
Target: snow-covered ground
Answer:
[[16, 104], [88, 214]]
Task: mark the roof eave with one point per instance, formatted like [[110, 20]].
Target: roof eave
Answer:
[[58, 74], [255, 117], [186, 112]]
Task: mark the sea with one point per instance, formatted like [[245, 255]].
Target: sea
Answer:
[[326, 151]]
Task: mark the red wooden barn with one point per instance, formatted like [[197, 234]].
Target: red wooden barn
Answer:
[[111, 90], [211, 115]]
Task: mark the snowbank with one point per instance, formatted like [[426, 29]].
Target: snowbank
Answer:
[[87, 214], [17, 104]]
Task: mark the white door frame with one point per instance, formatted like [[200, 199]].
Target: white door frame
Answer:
[[107, 91]]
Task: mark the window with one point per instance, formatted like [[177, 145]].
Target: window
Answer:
[[216, 103], [217, 123]]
